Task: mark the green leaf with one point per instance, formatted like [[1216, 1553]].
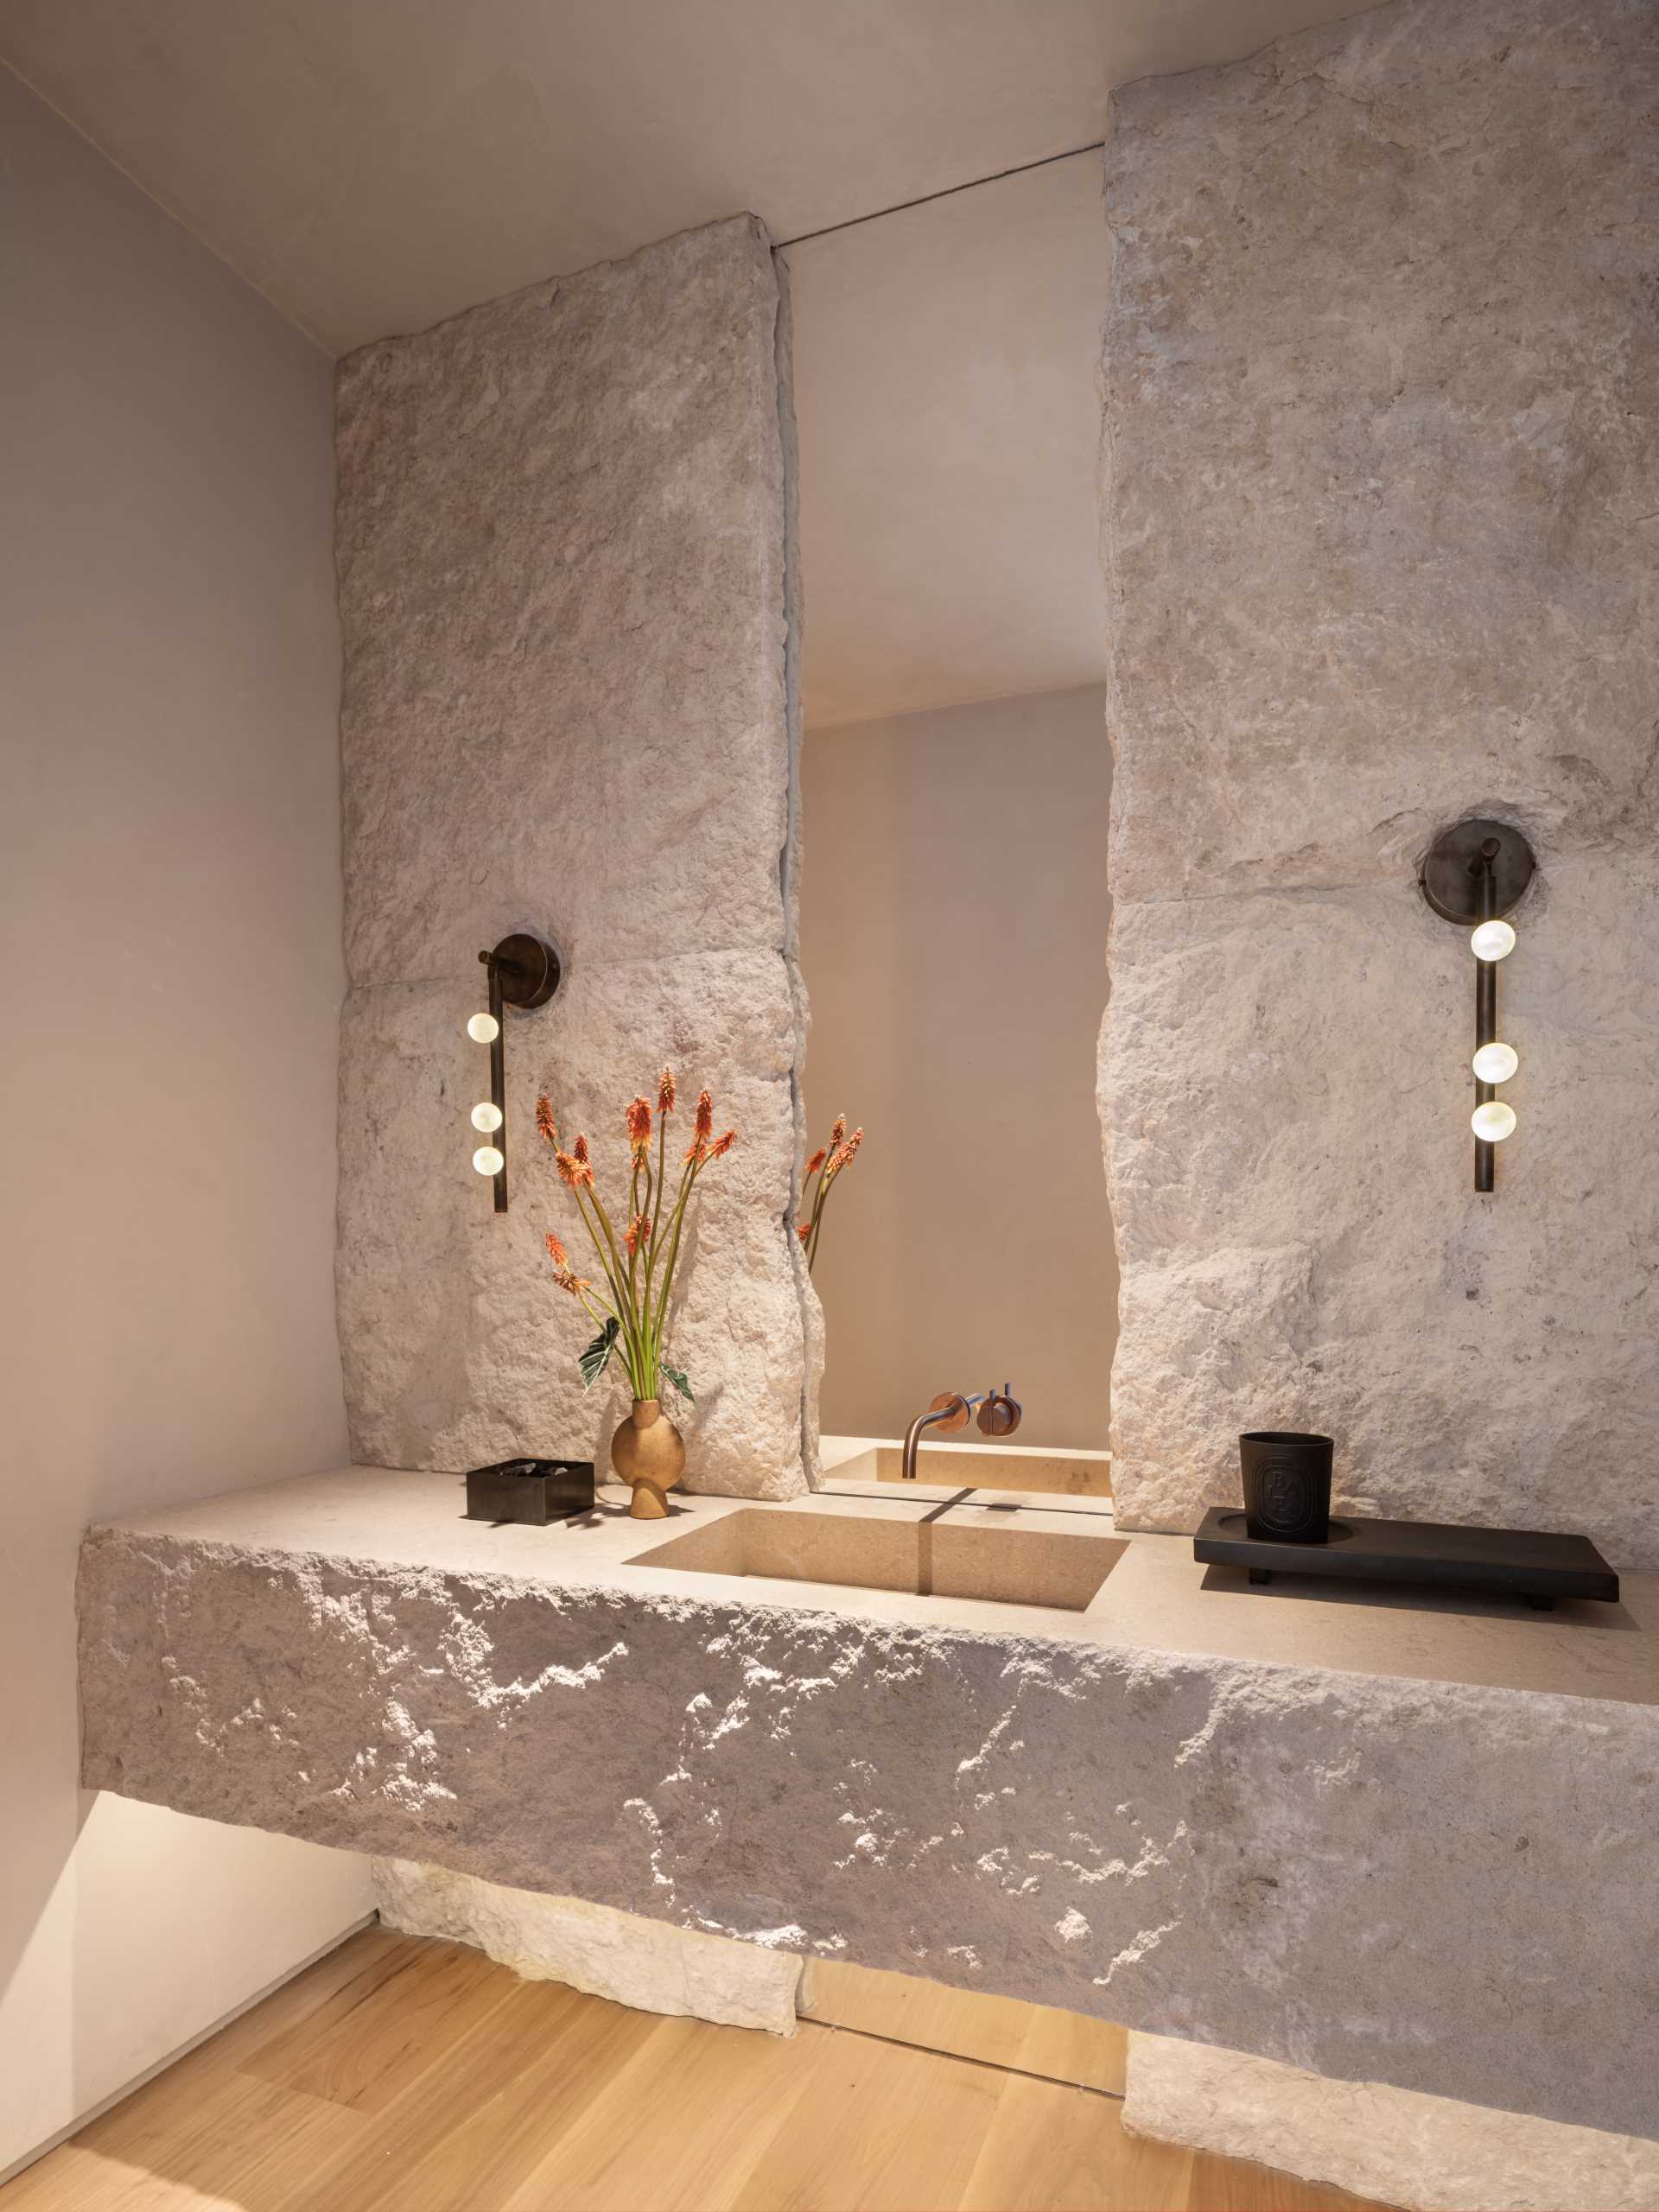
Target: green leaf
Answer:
[[593, 1361], [677, 1380]]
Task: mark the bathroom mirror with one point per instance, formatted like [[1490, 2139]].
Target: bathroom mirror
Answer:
[[956, 781]]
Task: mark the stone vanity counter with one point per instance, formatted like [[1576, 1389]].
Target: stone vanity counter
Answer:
[[1327, 1828]]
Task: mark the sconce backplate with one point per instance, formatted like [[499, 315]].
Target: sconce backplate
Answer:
[[529, 970], [1449, 882]]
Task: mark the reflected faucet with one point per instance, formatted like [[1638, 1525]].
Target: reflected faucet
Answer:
[[999, 1416]]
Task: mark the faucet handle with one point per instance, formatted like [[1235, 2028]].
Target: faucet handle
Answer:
[[953, 1407], [1000, 1415]]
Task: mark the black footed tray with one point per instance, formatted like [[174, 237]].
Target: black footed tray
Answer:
[[1529, 1563]]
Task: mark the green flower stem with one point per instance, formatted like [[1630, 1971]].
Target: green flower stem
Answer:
[[634, 1352], [688, 1184]]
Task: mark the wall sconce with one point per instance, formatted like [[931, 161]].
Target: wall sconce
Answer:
[[1473, 876], [525, 972]]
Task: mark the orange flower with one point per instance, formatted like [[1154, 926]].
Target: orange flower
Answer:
[[719, 1150], [847, 1154], [697, 1151], [665, 1092], [838, 1133], [580, 1150], [804, 1230], [639, 1230], [573, 1170], [817, 1160], [544, 1120], [639, 1128], [564, 1274]]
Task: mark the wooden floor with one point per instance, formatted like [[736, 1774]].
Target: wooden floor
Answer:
[[400, 2074]]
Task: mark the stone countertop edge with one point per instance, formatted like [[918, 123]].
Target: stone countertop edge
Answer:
[[1157, 1602], [1193, 1810]]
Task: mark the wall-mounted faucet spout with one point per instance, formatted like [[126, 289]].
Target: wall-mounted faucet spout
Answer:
[[999, 1416]]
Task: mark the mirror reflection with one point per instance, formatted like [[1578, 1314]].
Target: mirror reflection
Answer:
[[956, 782]]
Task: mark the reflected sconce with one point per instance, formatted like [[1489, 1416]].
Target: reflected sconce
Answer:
[[1473, 876], [524, 972]]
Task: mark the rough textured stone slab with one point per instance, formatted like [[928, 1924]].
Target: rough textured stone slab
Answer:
[[1442, 1886], [1431, 2153], [1382, 382], [566, 587], [561, 548], [458, 1346], [645, 1963], [1285, 1091], [1381, 387]]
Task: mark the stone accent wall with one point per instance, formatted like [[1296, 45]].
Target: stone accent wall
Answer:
[[562, 569], [1382, 490]]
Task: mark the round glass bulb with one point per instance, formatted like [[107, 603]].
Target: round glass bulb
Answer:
[[1491, 940], [488, 1161], [487, 1117], [484, 1028], [1493, 1064], [1493, 1121]]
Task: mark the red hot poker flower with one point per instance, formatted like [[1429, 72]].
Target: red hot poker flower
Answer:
[[638, 1119], [665, 1092], [544, 1119], [638, 1232], [847, 1154], [838, 1133], [564, 1274], [705, 1126], [805, 1231], [580, 1150], [817, 1160], [723, 1145], [573, 1170]]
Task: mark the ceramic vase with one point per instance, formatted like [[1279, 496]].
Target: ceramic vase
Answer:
[[648, 1452]]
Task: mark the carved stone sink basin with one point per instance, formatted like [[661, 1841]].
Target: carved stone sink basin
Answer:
[[932, 1558]]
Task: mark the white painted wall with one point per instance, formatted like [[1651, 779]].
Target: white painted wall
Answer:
[[954, 914], [169, 989]]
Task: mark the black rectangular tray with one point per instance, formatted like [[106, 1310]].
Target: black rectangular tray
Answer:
[[534, 1491], [1531, 1563]]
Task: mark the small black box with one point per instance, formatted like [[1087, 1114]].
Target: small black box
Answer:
[[535, 1491]]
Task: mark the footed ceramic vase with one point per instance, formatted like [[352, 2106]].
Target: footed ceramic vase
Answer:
[[648, 1452]]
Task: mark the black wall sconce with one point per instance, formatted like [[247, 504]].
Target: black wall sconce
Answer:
[[525, 972], [1473, 876]]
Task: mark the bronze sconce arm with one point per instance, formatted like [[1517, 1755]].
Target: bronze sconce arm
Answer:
[[524, 972], [1474, 875]]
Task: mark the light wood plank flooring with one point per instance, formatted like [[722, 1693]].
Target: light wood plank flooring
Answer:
[[399, 2074]]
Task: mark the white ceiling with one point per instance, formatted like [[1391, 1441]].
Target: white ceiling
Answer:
[[374, 165]]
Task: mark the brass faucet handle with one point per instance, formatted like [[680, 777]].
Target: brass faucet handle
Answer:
[[952, 1407], [1000, 1415]]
